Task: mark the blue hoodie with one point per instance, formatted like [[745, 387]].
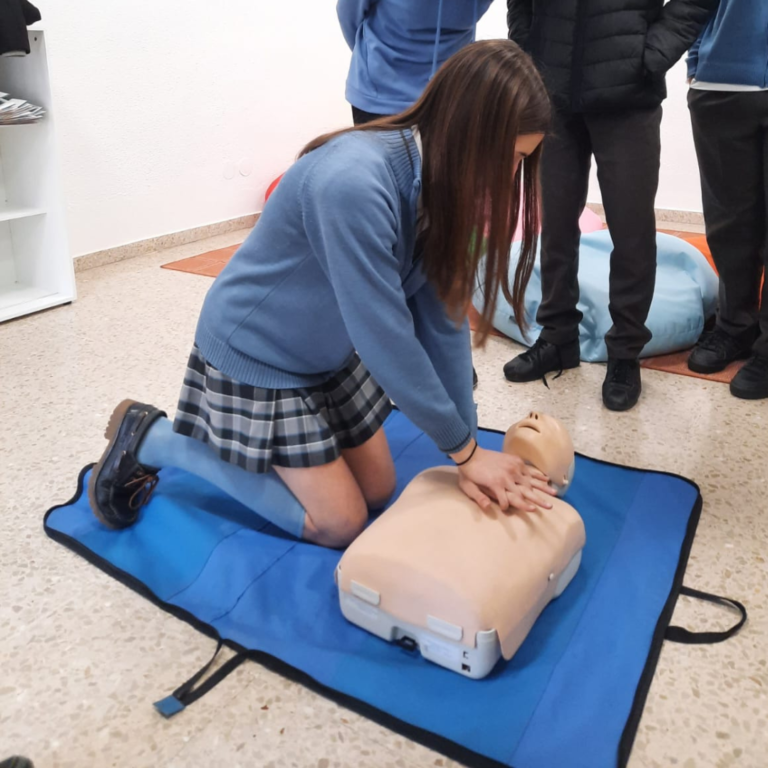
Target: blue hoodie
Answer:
[[733, 48], [397, 45]]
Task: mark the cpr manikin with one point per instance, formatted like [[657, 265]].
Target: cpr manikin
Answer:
[[465, 585]]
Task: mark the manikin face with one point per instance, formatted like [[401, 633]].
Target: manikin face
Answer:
[[543, 442]]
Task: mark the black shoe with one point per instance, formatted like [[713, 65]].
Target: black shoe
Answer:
[[622, 385], [17, 762], [751, 382], [474, 379], [119, 485], [715, 350], [543, 358]]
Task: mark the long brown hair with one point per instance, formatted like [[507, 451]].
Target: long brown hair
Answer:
[[469, 117]]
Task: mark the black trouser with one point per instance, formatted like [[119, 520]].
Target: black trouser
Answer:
[[627, 149], [730, 131], [360, 116]]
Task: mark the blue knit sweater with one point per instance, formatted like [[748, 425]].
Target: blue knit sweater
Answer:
[[329, 270], [733, 49]]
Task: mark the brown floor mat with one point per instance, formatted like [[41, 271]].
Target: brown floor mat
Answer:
[[678, 363], [207, 264]]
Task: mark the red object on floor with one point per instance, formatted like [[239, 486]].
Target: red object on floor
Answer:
[[271, 187]]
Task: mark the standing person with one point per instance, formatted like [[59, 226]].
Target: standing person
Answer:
[[604, 62], [398, 45], [333, 301], [728, 100]]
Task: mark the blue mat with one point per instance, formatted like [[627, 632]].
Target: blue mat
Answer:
[[573, 694]]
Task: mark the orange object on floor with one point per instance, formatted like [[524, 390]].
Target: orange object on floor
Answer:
[[207, 264], [678, 363]]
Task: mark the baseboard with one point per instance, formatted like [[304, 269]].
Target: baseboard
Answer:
[[664, 216], [683, 219], [143, 247]]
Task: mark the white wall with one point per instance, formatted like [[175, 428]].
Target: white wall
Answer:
[[155, 100], [159, 102]]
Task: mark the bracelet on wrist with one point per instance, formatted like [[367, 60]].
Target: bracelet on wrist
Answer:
[[469, 458]]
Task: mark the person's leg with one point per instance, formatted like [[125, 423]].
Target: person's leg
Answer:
[[266, 494], [565, 167], [327, 505], [564, 184], [729, 145], [761, 345], [751, 382], [361, 117], [323, 504], [627, 147], [372, 467]]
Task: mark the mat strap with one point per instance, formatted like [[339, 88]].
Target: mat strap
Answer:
[[682, 635], [187, 694]]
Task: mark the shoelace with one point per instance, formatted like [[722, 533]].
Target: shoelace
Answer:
[[760, 362], [718, 342], [145, 486], [534, 354], [622, 373]]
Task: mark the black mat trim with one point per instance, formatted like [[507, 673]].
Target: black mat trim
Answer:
[[428, 739], [644, 685]]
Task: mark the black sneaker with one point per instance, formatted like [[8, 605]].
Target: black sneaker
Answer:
[[474, 379], [16, 762], [543, 358], [751, 382], [622, 385], [715, 350], [119, 485]]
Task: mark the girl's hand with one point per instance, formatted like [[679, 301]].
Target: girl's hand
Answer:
[[493, 476]]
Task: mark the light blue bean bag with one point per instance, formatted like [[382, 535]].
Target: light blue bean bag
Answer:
[[685, 297]]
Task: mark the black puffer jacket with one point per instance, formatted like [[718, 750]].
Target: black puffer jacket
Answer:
[[603, 55]]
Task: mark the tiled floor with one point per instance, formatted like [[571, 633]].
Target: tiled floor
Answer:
[[82, 657]]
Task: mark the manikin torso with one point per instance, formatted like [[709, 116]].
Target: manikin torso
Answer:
[[436, 560]]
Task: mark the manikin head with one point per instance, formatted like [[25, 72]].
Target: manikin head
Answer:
[[543, 442]]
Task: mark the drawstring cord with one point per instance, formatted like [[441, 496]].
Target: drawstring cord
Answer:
[[440, 27], [437, 36]]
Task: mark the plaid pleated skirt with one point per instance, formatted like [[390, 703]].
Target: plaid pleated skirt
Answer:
[[257, 428]]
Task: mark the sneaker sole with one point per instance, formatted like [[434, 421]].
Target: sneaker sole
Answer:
[[113, 427], [749, 395], [623, 408]]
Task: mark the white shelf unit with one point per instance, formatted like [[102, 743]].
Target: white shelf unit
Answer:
[[36, 269]]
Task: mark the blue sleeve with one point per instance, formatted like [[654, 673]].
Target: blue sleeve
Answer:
[[449, 348], [351, 221], [693, 57], [351, 14]]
